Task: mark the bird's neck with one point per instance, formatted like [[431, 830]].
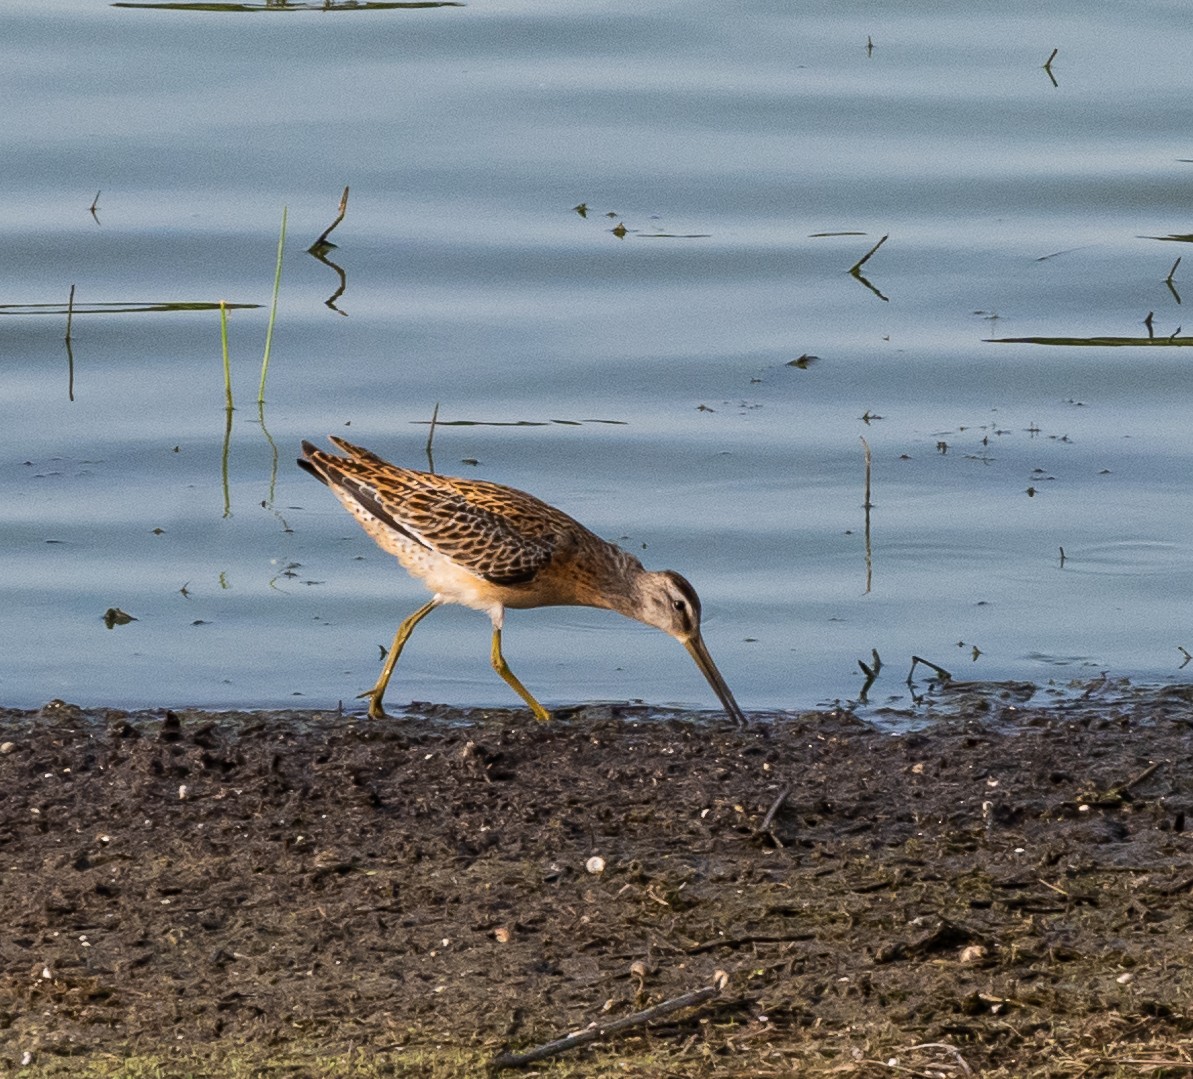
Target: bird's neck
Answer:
[[621, 583]]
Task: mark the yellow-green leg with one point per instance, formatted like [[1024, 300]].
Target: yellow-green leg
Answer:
[[502, 668], [404, 630]]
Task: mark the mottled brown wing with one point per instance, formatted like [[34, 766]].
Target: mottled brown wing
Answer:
[[501, 534], [506, 536]]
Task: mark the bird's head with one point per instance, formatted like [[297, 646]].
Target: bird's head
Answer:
[[668, 602]]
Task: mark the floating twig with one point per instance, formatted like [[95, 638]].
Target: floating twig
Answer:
[[322, 244], [93, 209], [273, 310], [599, 1031]]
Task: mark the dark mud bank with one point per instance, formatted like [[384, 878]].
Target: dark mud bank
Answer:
[[1007, 890]]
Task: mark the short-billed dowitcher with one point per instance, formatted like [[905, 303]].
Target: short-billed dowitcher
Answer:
[[490, 547]]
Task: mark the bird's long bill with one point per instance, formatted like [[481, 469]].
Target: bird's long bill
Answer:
[[708, 668]]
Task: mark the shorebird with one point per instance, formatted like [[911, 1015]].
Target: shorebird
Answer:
[[491, 547]]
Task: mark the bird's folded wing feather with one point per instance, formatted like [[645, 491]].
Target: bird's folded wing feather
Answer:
[[485, 536]]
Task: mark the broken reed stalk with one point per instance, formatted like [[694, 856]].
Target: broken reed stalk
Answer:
[[598, 1031], [431, 437], [273, 310], [940, 671], [322, 243], [1172, 272], [867, 504], [431, 432], [70, 312], [224, 347], [857, 266]]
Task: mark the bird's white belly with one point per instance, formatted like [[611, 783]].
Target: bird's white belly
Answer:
[[449, 582]]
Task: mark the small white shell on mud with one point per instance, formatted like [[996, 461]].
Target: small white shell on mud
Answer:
[[595, 864]]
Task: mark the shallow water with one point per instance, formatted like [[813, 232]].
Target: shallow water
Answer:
[[753, 156]]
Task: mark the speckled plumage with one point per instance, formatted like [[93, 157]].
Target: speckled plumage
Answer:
[[490, 547]]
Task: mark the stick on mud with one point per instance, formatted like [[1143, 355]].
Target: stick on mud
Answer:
[[941, 672], [597, 1032]]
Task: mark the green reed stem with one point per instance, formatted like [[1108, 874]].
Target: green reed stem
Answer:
[[273, 310], [224, 345]]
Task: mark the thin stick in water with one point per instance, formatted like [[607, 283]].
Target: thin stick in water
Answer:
[[1048, 68], [322, 244], [857, 266], [70, 312], [431, 436], [224, 346], [273, 310], [867, 505]]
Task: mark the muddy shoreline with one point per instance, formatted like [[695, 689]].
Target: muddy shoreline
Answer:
[[1006, 890]]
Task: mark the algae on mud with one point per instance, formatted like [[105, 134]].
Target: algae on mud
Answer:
[[1006, 891]]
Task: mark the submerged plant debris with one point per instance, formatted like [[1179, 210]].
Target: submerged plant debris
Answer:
[[1004, 890]]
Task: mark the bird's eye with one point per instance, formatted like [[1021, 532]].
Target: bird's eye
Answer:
[[679, 605]]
